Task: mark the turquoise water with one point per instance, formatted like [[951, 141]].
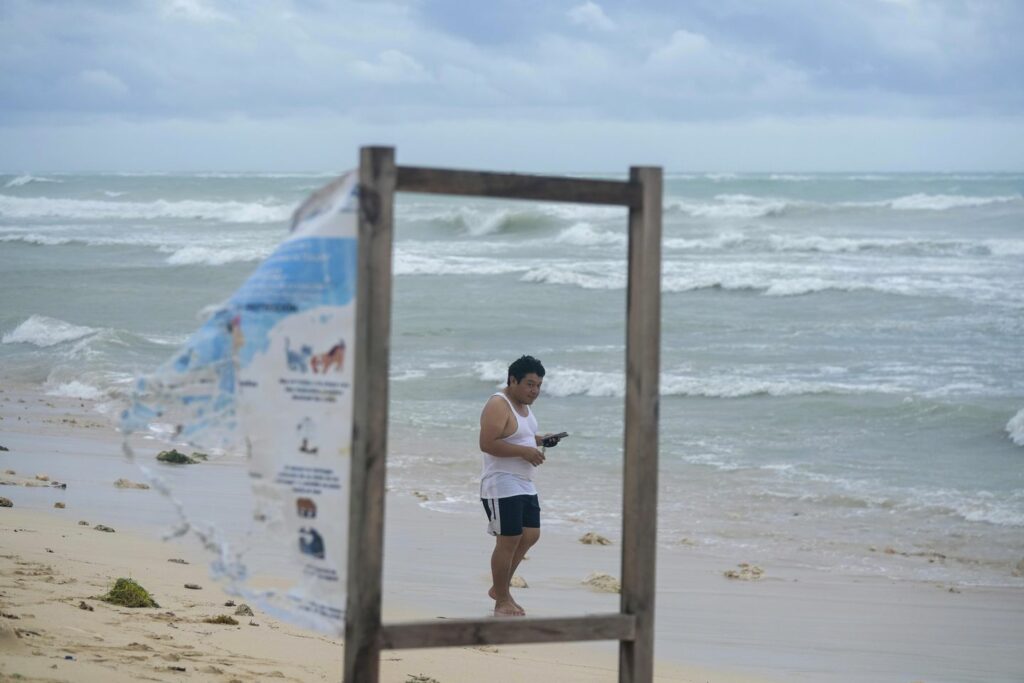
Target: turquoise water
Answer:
[[841, 354]]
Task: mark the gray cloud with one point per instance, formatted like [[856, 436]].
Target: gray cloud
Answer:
[[414, 62]]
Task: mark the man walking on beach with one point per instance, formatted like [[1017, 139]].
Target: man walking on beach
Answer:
[[509, 444]]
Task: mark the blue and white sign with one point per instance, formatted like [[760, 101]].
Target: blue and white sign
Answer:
[[269, 376]]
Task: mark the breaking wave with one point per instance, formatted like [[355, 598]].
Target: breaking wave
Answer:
[[739, 206], [90, 209], [39, 330], [208, 256], [478, 221], [1015, 428], [26, 179], [842, 245], [565, 382]]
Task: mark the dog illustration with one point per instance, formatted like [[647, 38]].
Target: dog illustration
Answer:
[[335, 357], [297, 359], [306, 508], [311, 542]]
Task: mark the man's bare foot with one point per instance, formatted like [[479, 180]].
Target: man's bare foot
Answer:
[[494, 596], [508, 608]]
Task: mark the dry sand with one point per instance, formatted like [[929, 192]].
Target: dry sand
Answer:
[[50, 566]]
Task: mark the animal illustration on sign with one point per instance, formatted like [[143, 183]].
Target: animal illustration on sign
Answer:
[[335, 357], [311, 542], [306, 507], [297, 359]]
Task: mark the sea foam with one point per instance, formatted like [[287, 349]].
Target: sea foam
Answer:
[[76, 389], [1015, 428], [207, 256], [564, 382], [91, 209], [42, 331]]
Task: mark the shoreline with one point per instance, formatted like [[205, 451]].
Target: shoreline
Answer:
[[792, 624]]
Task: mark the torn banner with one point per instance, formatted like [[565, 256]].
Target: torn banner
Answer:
[[269, 377]]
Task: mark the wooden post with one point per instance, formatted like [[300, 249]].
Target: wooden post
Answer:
[[377, 177], [640, 473]]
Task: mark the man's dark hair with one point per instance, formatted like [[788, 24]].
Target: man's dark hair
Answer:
[[523, 366]]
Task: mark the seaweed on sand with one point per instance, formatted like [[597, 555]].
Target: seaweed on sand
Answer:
[[128, 593]]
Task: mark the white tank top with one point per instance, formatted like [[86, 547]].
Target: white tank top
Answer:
[[505, 477]]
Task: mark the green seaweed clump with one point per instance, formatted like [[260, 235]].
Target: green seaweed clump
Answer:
[[129, 594], [175, 458], [222, 619]]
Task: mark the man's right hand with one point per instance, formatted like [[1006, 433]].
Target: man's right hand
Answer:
[[533, 456]]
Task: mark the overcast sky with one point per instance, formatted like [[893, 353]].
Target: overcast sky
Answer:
[[541, 85]]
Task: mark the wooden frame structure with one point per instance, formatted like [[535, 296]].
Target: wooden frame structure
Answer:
[[633, 625]]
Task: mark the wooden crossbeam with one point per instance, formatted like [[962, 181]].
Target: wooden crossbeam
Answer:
[[491, 631], [518, 186]]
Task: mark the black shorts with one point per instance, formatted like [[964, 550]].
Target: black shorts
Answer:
[[508, 516]]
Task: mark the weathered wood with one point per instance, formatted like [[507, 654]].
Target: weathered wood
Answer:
[[518, 186], [640, 473], [491, 631], [370, 417], [634, 625]]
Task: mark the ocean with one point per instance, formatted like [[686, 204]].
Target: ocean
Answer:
[[842, 366]]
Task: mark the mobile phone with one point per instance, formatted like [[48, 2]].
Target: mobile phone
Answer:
[[560, 435]]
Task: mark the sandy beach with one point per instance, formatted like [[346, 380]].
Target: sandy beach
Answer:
[[772, 623]]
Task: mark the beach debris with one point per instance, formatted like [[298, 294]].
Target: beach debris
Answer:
[[175, 457], [746, 572], [69, 658], [128, 593], [229, 603], [42, 477], [104, 527], [5, 449], [9, 472], [518, 582], [193, 586], [177, 560], [252, 623], [49, 550], [422, 496], [85, 606], [82, 522], [59, 505], [129, 484], [58, 485], [1019, 569], [5, 502], [244, 611], [591, 538], [221, 619], [177, 668], [685, 540], [8, 633], [420, 678], [602, 583]]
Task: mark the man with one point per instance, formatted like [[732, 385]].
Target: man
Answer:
[[509, 443]]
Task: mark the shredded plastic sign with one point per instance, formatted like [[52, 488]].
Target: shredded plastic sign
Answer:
[[269, 376]]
